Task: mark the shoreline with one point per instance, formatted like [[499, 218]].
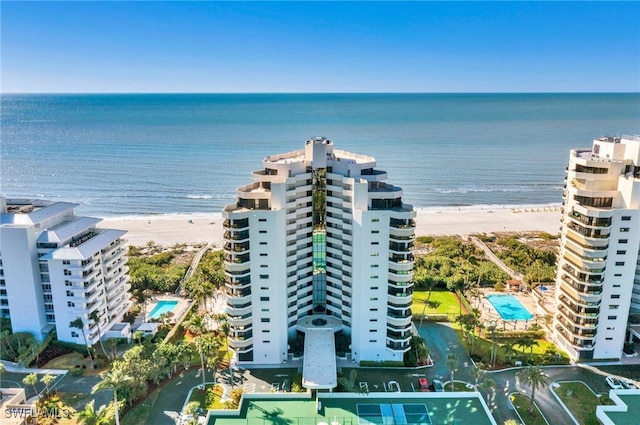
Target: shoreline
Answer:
[[178, 228]]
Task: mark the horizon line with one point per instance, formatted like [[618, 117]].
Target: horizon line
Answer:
[[313, 92]]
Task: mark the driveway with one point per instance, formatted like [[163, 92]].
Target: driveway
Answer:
[[442, 340]]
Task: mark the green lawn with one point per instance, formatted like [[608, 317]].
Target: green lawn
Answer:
[[482, 346], [448, 303], [209, 398], [580, 401], [458, 386], [138, 415], [527, 410]]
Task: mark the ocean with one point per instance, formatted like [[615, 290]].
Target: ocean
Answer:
[[130, 154]]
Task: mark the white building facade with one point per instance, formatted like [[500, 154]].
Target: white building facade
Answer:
[[319, 233], [56, 267], [598, 281]]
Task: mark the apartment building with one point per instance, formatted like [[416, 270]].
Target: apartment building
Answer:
[[56, 267], [598, 281], [318, 233]]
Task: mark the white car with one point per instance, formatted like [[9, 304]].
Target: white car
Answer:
[[629, 384], [614, 383]]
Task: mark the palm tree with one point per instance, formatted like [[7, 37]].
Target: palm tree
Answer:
[[112, 380], [96, 319], [535, 377], [31, 379], [509, 350], [47, 380], [89, 416], [79, 324], [477, 373], [112, 345], [452, 364], [488, 385]]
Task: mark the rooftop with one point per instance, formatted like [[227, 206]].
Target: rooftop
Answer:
[[626, 410], [354, 409]]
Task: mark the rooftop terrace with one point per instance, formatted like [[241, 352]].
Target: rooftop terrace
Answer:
[[353, 409]]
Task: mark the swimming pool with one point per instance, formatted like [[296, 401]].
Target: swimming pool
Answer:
[[162, 307], [509, 307]]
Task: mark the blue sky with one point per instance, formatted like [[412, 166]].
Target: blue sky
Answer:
[[320, 47]]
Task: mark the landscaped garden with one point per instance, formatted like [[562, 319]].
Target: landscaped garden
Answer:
[[581, 401], [527, 410]]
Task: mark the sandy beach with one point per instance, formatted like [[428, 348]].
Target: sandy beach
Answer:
[[198, 228]]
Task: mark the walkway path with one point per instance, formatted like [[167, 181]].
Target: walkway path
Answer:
[[495, 259], [194, 266]]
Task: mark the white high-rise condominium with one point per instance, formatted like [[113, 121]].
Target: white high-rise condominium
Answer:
[[56, 267], [318, 234], [598, 281]]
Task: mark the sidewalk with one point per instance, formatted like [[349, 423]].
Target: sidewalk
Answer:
[[17, 368]]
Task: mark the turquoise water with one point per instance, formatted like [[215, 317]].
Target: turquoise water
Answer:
[[127, 154], [509, 307], [161, 308]]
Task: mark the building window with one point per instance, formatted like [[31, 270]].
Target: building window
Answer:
[[626, 218], [623, 240], [609, 339], [373, 320], [263, 254], [373, 330], [70, 304], [373, 340], [375, 220], [264, 276], [264, 288], [67, 272], [621, 252], [66, 262], [264, 266], [374, 276], [74, 334], [375, 243], [373, 266], [373, 299], [263, 243], [375, 232], [262, 231], [613, 306], [68, 283], [266, 341], [618, 275], [264, 298], [624, 229], [374, 254], [265, 310], [373, 288], [612, 317], [265, 320], [619, 263], [265, 331], [610, 328], [373, 309], [69, 294], [615, 296]]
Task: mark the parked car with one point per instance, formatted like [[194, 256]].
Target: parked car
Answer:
[[423, 384], [629, 384], [614, 383], [437, 386]]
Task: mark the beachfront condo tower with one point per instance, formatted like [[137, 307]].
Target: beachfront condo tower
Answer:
[[598, 281], [56, 267], [319, 241]]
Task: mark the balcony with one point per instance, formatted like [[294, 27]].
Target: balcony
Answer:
[[236, 224]]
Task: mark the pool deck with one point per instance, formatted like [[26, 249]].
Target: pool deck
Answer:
[[177, 312], [490, 314]]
